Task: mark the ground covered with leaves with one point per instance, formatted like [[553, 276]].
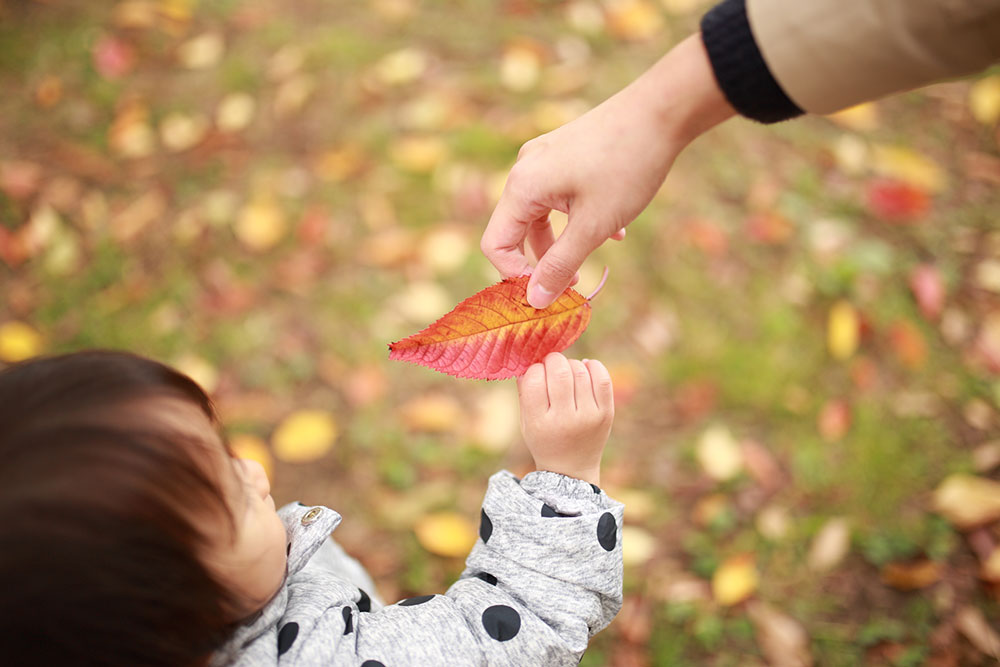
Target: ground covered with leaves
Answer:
[[803, 328]]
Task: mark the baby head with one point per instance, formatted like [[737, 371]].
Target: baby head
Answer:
[[128, 530]]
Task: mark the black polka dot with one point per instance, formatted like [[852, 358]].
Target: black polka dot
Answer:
[[372, 663], [501, 622], [365, 603], [300, 503], [596, 488], [549, 512], [487, 577], [287, 635], [420, 599], [288, 549], [485, 526], [607, 531], [348, 621]]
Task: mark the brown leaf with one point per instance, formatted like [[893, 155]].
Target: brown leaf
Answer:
[[968, 501], [971, 622], [911, 576]]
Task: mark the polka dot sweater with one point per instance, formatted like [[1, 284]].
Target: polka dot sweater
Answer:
[[544, 577]]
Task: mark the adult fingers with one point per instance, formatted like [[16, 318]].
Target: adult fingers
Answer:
[[557, 267], [582, 392], [507, 229], [559, 379]]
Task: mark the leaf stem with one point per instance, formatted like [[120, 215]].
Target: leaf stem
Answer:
[[600, 286]]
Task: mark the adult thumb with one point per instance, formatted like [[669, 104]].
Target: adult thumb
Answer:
[[556, 268]]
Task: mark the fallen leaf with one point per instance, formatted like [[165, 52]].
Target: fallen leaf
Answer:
[[138, 214], [495, 334], [843, 329], [719, 454], [113, 57], [735, 580], [972, 623], [293, 94], [246, 446], [913, 575], [447, 534], [235, 112], [781, 638], [906, 165], [710, 508], [261, 224], [201, 52], [928, 289], [896, 201], [420, 301], [402, 67], [638, 546], [180, 132], [134, 14], [200, 370], [496, 421], [18, 341], [768, 228], [49, 91], [773, 522], [908, 343], [861, 117], [761, 464], [520, 67], [445, 250], [634, 20], [986, 456], [984, 100], [131, 135], [365, 385], [991, 566], [987, 275], [967, 501], [830, 546], [431, 413], [636, 624], [418, 154], [304, 436]]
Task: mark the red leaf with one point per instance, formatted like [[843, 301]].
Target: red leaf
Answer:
[[834, 420], [928, 289], [895, 201], [113, 58], [908, 343], [495, 334]]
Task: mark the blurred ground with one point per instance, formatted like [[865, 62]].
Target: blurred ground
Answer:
[[804, 327]]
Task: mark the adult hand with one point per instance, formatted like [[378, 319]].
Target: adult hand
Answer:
[[601, 169]]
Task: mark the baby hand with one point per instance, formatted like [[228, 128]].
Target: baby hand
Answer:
[[567, 407]]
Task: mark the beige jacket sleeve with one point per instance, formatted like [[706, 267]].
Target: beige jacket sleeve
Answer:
[[831, 54]]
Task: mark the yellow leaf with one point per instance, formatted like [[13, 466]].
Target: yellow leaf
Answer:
[[991, 566], [735, 580], [433, 413], [418, 154], [235, 112], [200, 370], [638, 546], [860, 117], [18, 341], [984, 100], [445, 250], [246, 446], [261, 224], [719, 454], [520, 68], [909, 166], [401, 67], [842, 330], [304, 436], [201, 52], [448, 534], [967, 500], [179, 131]]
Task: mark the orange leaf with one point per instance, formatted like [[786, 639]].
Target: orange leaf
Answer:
[[495, 334]]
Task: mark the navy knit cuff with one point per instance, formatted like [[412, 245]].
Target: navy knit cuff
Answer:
[[739, 67]]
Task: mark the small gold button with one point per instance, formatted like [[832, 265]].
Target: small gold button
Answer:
[[311, 515]]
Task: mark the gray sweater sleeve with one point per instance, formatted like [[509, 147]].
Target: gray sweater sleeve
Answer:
[[544, 577]]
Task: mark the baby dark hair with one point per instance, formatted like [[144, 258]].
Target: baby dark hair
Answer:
[[99, 541]]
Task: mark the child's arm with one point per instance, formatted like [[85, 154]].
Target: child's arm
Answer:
[[546, 573]]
